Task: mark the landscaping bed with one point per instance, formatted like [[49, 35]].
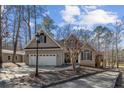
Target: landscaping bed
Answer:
[[46, 79]]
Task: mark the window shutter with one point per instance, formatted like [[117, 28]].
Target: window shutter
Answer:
[[82, 54], [91, 55]]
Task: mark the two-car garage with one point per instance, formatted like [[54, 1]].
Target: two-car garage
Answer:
[[44, 59], [50, 52]]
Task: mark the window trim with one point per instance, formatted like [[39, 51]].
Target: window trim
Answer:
[[42, 38], [16, 58], [86, 55]]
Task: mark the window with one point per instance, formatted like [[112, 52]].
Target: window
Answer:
[[9, 57], [71, 44], [42, 38], [86, 55], [16, 57]]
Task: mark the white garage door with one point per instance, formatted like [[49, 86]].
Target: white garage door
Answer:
[[43, 60]]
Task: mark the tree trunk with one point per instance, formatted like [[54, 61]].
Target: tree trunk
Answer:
[[35, 19], [109, 59], [14, 28], [74, 68], [98, 43], [26, 39], [73, 62], [0, 39], [112, 55], [105, 59], [17, 36], [20, 43], [117, 49], [29, 27]]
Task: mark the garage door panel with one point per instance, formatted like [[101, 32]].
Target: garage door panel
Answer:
[[47, 60], [43, 60], [32, 60]]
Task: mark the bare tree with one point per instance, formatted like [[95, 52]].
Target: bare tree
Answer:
[[35, 18], [27, 18], [0, 39], [117, 33], [19, 11], [14, 29], [49, 25], [38, 14], [64, 31], [2, 29], [72, 44], [107, 37], [98, 36]]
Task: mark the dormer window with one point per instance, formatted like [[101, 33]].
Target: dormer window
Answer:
[[42, 38]]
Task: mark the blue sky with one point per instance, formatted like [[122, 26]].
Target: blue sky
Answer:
[[87, 16], [55, 12]]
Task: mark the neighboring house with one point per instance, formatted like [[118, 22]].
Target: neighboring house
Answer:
[[7, 56], [54, 53]]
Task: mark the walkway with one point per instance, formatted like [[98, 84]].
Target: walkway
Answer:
[[120, 81]]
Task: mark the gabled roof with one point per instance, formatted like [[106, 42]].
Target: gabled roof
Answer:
[[88, 45], [46, 35], [71, 35], [82, 44]]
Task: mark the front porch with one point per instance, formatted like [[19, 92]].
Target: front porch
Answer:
[[67, 59]]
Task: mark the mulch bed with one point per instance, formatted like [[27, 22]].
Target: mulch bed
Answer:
[[48, 78]]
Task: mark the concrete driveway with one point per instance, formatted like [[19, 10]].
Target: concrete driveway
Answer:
[[102, 80]]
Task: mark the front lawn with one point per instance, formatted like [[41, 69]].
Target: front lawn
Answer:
[[49, 78]]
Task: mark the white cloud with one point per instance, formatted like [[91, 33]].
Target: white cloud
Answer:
[[61, 24], [87, 8], [87, 16], [69, 13], [31, 24], [46, 13], [91, 7], [2, 8], [99, 16]]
